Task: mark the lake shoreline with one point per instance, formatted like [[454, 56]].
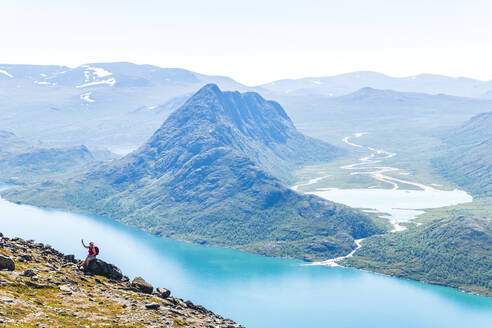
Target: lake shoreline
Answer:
[[331, 262]]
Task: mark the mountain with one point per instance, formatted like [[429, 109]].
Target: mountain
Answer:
[[23, 160], [208, 175], [467, 158], [455, 252], [94, 104], [45, 288], [338, 85]]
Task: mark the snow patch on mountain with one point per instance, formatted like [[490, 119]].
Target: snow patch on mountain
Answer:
[[98, 71], [44, 83], [6, 73], [109, 82], [87, 97]]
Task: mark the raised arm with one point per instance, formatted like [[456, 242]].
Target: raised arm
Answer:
[[84, 244]]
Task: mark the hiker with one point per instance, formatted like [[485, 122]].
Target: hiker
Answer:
[[93, 252]]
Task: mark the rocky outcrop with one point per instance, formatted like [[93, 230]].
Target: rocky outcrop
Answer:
[[6, 263], [162, 292], [140, 285], [29, 273], [43, 290], [152, 306], [101, 268], [70, 258]]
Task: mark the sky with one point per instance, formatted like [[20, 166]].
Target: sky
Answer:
[[255, 41]]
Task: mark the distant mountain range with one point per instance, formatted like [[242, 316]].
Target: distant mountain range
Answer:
[[343, 84], [119, 75], [381, 112], [209, 175], [118, 105], [109, 104]]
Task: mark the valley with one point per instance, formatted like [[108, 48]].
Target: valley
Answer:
[[372, 188]]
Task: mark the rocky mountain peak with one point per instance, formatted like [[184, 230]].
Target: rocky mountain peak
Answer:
[[249, 113], [213, 121]]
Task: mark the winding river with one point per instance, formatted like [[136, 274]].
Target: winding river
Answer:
[[256, 291], [398, 204]]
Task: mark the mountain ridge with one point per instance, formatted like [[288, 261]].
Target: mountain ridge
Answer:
[[337, 85]]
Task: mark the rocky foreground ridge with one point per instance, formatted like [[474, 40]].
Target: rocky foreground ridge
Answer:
[[42, 287]]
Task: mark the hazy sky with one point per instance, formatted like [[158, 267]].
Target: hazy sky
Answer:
[[255, 41]]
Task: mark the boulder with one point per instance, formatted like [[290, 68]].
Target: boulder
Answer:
[[29, 273], [6, 263], [26, 257], [152, 306], [162, 292], [65, 288], [140, 285], [70, 258], [38, 285], [101, 268]]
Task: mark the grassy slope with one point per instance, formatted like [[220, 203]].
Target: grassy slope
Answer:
[[467, 160], [470, 167], [455, 252]]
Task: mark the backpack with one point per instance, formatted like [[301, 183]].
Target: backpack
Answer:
[[96, 250]]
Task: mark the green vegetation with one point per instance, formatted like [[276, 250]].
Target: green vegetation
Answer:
[[454, 252], [467, 160], [479, 207]]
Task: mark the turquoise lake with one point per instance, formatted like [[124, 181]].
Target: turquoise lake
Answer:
[[255, 291]]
